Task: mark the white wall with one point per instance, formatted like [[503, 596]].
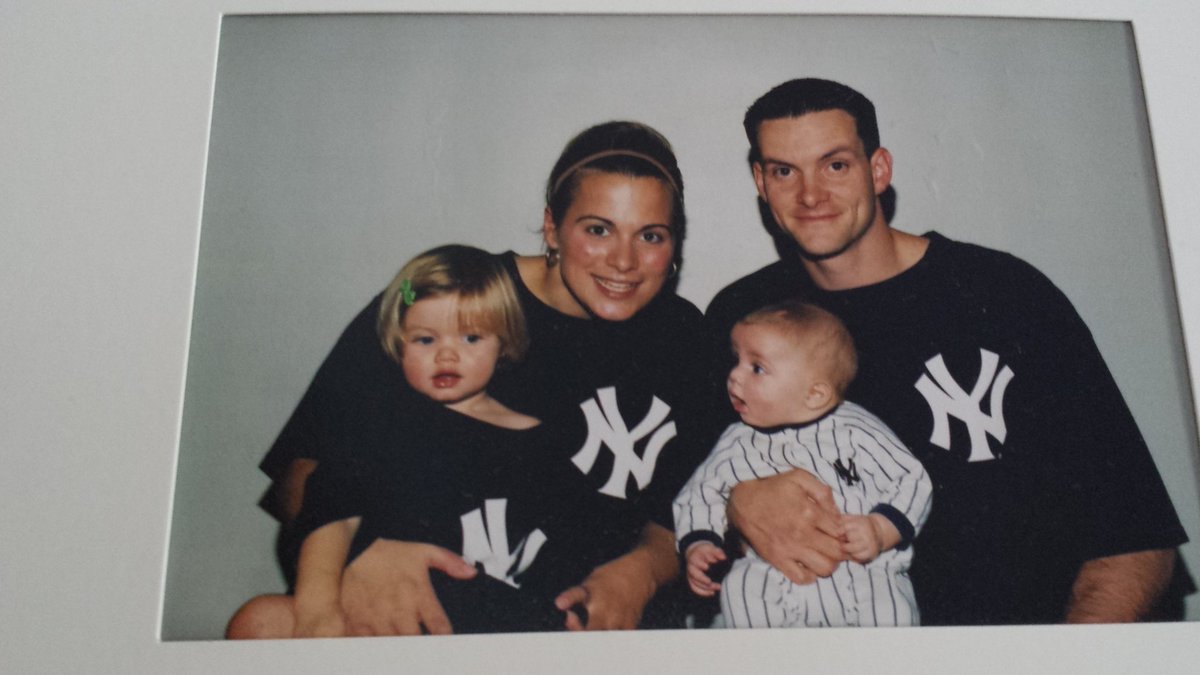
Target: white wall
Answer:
[[341, 146]]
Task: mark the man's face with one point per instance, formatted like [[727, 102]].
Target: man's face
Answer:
[[818, 182]]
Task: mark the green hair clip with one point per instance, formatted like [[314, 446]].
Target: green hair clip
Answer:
[[407, 293]]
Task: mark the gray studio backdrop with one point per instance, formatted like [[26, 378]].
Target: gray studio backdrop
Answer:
[[343, 145]]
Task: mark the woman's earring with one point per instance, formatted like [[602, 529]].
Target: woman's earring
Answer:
[[674, 270], [551, 257]]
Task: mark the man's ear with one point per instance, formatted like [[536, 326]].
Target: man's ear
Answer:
[[881, 170], [756, 168], [819, 395]]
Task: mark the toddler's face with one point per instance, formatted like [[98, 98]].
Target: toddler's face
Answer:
[[440, 358], [773, 375]]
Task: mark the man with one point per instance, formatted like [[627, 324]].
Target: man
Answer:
[[1047, 505]]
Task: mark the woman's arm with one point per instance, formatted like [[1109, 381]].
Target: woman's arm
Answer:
[[616, 593], [319, 577]]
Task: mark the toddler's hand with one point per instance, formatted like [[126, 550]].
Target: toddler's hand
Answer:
[[700, 556]]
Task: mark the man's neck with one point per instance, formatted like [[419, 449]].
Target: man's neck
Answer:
[[880, 255]]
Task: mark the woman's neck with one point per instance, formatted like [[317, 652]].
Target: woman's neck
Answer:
[[546, 284]]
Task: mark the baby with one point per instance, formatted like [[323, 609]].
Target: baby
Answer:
[[794, 362]]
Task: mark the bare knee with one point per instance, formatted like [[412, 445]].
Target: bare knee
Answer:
[[266, 617]]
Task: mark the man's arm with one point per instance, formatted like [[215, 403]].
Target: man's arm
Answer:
[[792, 522], [1120, 588], [616, 593]]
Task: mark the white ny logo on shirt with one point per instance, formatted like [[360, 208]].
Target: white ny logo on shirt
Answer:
[[607, 427]]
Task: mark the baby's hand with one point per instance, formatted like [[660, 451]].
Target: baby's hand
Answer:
[[868, 536], [700, 556]]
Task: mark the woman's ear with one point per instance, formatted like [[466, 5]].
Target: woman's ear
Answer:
[[549, 230]]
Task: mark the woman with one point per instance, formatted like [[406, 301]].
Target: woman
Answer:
[[611, 355]]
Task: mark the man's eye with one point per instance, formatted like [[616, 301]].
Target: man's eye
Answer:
[[781, 171], [839, 166]]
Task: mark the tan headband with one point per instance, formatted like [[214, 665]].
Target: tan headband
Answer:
[[613, 153]]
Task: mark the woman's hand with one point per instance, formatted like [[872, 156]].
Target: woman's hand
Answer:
[[792, 522], [615, 593], [386, 590]]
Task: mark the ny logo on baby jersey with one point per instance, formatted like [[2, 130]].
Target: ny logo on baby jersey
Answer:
[[849, 474], [947, 398], [607, 427], [487, 544]]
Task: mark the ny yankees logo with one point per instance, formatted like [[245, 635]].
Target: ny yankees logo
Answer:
[[947, 398], [607, 427], [488, 544], [848, 474]]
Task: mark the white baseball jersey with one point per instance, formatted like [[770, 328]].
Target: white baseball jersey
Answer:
[[868, 469]]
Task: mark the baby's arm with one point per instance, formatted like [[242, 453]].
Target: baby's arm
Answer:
[[868, 536], [319, 579], [700, 557]]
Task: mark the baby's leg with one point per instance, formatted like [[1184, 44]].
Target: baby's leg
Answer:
[[752, 594], [266, 617]]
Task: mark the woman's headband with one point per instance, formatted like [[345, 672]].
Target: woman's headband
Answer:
[[613, 153]]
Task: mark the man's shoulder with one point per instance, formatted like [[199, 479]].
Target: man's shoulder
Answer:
[[976, 259]]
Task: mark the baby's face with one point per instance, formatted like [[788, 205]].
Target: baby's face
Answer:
[[441, 359], [772, 377]]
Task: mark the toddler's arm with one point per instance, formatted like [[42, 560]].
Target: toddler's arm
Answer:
[[868, 536], [700, 557], [319, 579]]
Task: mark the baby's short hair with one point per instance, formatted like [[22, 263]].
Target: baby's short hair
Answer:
[[816, 330], [487, 298]]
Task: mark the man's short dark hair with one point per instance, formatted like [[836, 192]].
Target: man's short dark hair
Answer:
[[808, 95]]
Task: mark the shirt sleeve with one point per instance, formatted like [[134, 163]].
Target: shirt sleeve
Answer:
[[340, 393]]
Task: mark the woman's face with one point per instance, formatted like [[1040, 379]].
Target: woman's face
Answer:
[[615, 244]]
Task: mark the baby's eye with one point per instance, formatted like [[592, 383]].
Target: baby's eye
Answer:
[[421, 340], [472, 338], [757, 369]]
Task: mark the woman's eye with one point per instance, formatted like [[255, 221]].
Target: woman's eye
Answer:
[[596, 230], [654, 237]]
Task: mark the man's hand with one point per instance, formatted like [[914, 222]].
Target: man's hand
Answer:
[[792, 522], [386, 590], [615, 593]]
